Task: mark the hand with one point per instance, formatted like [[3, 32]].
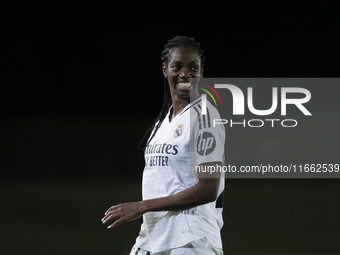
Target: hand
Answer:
[[122, 213]]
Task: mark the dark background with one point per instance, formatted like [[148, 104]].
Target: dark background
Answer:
[[79, 88]]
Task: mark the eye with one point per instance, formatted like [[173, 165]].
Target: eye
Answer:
[[194, 68], [176, 67]]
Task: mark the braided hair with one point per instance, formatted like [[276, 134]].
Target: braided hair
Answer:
[[178, 41]]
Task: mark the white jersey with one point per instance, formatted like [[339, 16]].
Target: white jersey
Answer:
[[169, 169]]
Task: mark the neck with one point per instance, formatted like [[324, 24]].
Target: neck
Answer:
[[178, 104]]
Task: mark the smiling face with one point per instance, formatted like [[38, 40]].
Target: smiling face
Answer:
[[184, 63]]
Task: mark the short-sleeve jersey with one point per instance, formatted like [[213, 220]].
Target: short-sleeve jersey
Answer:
[[178, 146]]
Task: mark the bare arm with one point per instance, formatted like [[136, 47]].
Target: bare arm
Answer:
[[203, 192]]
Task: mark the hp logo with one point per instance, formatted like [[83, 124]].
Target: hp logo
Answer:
[[206, 143]]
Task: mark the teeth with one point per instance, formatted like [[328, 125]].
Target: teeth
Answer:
[[184, 85]]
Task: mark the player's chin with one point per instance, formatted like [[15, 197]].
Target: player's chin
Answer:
[[183, 92], [185, 95]]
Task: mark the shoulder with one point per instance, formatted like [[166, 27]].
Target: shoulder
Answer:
[[204, 115]]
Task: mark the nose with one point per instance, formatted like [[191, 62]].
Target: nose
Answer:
[[185, 73]]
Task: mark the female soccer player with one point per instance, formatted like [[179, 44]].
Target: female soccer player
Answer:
[[182, 211]]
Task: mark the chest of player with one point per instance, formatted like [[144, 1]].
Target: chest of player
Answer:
[[170, 144]]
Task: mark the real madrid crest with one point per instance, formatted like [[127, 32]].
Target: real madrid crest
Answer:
[[178, 131]]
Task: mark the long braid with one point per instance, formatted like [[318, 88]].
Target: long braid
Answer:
[[178, 41]]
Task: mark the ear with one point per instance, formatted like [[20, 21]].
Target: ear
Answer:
[[164, 69], [202, 68]]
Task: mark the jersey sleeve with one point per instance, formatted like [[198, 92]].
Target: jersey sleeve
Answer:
[[208, 140]]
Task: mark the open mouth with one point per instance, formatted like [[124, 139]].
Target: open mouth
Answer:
[[184, 85]]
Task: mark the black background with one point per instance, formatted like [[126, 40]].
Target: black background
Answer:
[[80, 86]]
